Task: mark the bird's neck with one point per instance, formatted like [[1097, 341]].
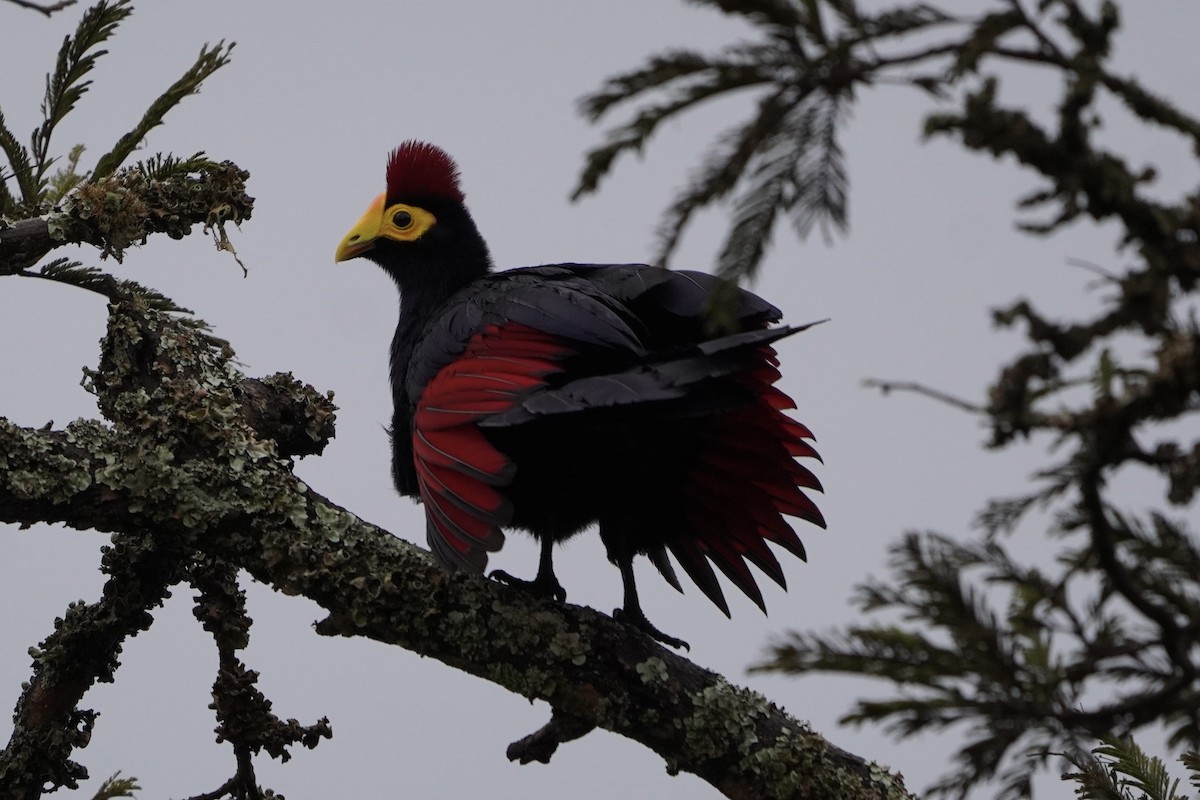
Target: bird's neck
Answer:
[[418, 305], [423, 297]]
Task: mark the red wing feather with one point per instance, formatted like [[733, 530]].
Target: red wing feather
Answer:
[[743, 482], [460, 474], [455, 448], [690, 553]]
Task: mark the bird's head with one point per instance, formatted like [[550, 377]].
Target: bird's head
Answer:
[[419, 229]]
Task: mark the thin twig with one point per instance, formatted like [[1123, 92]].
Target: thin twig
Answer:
[[48, 9], [1049, 46], [1095, 268], [223, 790], [922, 389]]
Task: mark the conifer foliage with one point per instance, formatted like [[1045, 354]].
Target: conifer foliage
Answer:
[[1026, 660]]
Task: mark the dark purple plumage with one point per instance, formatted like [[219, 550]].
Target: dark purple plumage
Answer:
[[549, 398]]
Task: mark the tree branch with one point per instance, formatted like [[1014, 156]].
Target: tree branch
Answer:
[[887, 387], [191, 467], [45, 9], [123, 209], [244, 715], [83, 649]]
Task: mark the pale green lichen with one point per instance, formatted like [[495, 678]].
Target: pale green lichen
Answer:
[[570, 646], [57, 226], [615, 711], [891, 783], [652, 670], [798, 765], [334, 521], [527, 681], [121, 209], [178, 449], [25, 484], [320, 408], [728, 720], [723, 706], [32, 469]]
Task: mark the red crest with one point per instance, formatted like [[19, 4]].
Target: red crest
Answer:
[[418, 169]]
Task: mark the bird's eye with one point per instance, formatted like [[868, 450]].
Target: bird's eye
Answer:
[[402, 220]]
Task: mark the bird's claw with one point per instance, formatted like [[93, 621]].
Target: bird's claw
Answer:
[[635, 618], [540, 586]]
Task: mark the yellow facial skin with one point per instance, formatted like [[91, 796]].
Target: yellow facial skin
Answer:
[[399, 222]]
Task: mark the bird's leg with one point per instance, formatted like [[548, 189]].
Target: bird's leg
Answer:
[[545, 584], [632, 613]]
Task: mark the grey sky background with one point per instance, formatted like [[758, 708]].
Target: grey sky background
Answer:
[[315, 97]]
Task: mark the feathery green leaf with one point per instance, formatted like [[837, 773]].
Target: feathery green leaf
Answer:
[[781, 13], [754, 215], [67, 177], [116, 787], [1191, 760], [820, 182], [20, 168], [721, 168], [66, 84], [692, 78], [903, 20], [1144, 773], [1119, 768], [632, 136], [209, 61], [72, 273], [658, 70]]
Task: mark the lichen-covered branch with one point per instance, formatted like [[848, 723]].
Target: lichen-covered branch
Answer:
[[118, 211], [244, 715], [203, 471], [83, 649]]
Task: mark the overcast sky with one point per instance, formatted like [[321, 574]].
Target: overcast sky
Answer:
[[315, 97]]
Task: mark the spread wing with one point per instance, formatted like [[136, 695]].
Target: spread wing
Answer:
[[571, 339], [460, 473], [498, 343]]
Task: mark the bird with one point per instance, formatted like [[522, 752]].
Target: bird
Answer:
[[548, 399]]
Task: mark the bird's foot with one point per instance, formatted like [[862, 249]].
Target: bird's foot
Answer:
[[541, 585], [637, 619]]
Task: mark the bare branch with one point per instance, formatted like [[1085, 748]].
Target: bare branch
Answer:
[[46, 9], [887, 387], [83, 649]]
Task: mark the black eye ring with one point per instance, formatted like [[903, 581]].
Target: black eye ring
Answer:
[[402, 220]]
